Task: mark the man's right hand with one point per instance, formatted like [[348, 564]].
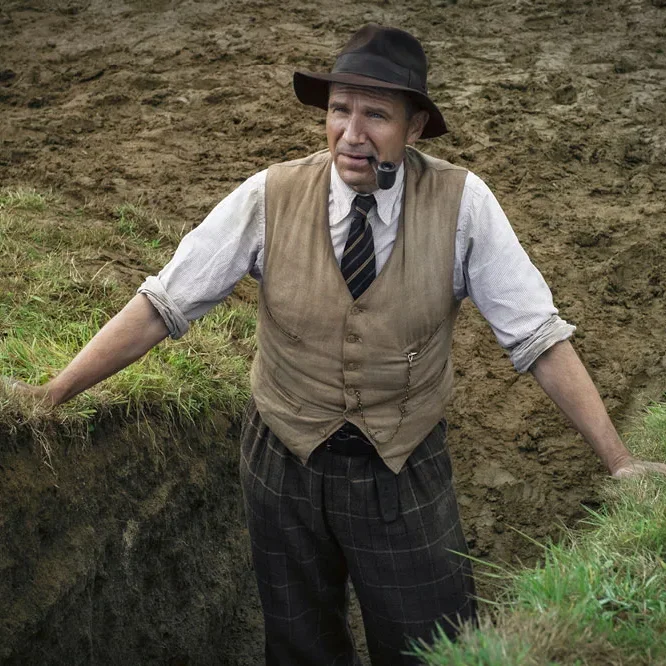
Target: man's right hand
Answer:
[[35, 394]]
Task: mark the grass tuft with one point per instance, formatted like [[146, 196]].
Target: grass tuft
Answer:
[[597, 598], [135, 222], [22, 198]]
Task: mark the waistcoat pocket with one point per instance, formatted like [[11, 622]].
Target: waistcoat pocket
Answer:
[[290, 336], [416, 354]]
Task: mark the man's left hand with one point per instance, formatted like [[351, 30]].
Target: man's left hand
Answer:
[[635, 467]]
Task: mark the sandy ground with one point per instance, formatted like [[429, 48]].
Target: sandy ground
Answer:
[[558, 105]]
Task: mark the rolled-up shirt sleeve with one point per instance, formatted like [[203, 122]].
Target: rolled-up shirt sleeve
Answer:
[[493, 269], [212, 258]]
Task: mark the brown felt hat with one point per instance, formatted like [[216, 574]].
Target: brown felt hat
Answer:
[[379, 58]]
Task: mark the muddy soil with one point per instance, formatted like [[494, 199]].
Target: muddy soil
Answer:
[[558, 104]]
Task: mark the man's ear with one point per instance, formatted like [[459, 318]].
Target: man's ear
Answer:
[[416, 124]]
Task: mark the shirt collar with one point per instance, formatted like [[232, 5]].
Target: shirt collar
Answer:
[[342, 197]]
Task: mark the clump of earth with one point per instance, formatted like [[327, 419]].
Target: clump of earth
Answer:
[[558, 105]]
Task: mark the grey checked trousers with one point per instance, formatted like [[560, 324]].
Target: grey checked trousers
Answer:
[[314, 525]]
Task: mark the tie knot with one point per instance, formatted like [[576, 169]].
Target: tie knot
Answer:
[[363, 204]]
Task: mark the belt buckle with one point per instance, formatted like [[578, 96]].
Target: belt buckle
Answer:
[[344, 442]]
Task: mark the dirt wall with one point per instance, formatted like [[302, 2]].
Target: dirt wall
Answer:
[[129, 551]]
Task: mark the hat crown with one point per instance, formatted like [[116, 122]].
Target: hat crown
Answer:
[[391, 43], [387, 54]]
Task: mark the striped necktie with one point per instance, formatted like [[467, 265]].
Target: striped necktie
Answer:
[[358, 260]]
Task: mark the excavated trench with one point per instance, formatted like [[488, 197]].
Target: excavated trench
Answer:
[[133, 551]]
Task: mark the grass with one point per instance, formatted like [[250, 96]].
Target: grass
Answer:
[[597, 598], [22, 198], [63, 273]]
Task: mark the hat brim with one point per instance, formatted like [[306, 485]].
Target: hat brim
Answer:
[[312, 89]]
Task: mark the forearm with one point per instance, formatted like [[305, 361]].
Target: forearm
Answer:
[[129, 335], [563, 377]]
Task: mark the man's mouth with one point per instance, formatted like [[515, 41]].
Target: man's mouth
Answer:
[[357, 157]]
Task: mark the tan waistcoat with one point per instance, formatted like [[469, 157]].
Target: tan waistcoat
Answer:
[[381, 362]]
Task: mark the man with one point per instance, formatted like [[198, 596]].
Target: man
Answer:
[[345, 469]]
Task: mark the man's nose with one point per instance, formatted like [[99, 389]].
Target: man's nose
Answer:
[[355, 129]]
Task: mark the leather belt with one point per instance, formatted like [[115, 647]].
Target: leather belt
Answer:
[[350, 441]]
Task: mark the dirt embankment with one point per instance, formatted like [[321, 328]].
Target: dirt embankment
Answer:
[[559, 105], [133, 551]]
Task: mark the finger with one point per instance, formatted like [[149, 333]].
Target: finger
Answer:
[[638, 468], [14, 385], [8, 382], [623, 473]]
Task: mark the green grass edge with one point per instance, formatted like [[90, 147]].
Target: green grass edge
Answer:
[[597, 598]]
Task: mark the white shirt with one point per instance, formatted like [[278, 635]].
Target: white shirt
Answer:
[[490, 265]]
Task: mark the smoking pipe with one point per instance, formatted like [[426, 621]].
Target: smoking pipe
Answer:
[[385, 172]]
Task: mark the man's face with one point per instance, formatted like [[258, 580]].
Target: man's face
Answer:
[[364, 122]]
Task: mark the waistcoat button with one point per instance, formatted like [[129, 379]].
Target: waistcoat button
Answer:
[[350, 390], [352, 338], [355, 310]]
